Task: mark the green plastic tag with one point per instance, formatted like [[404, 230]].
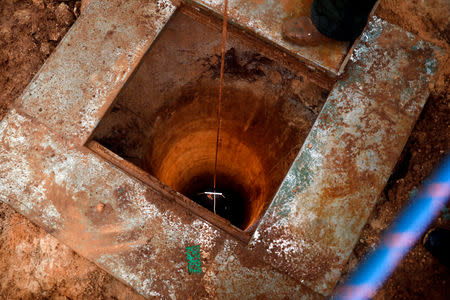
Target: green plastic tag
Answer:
[[193, 258]]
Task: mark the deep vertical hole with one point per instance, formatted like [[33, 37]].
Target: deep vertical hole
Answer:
[[233, 206], [164, 119]]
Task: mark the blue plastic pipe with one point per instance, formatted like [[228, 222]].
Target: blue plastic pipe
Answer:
[[402, 236]]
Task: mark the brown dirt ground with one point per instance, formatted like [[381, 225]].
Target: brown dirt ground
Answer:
[[34, 265]]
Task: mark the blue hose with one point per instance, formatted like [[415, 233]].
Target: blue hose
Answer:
[[402, 236]]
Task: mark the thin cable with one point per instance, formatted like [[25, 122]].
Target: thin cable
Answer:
[[219, 104]]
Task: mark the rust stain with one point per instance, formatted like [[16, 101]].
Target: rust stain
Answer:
[[74, 224], [123, 42], [258, 1], [297, 7], [360, 133]]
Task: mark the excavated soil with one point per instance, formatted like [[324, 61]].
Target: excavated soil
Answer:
[[419, 275], [34, 265]]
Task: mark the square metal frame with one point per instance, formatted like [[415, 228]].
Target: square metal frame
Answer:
[[139, 235]]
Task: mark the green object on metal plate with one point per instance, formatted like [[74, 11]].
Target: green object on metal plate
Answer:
[[193, 258]]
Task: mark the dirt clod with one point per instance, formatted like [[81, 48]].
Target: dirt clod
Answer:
[[38, 3], [100, 207], [64, 15]]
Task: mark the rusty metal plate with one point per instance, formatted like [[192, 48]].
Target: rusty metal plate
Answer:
[[317, 215], [93, 61], [133, 230], [265, 18], [129, 229]]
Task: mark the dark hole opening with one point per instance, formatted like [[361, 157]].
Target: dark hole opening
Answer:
[[164, 119], [231, 207]]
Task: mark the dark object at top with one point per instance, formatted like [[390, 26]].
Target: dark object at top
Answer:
[[341, 20]]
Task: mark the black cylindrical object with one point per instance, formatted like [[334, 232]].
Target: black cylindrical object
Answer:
[[342, 20]]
